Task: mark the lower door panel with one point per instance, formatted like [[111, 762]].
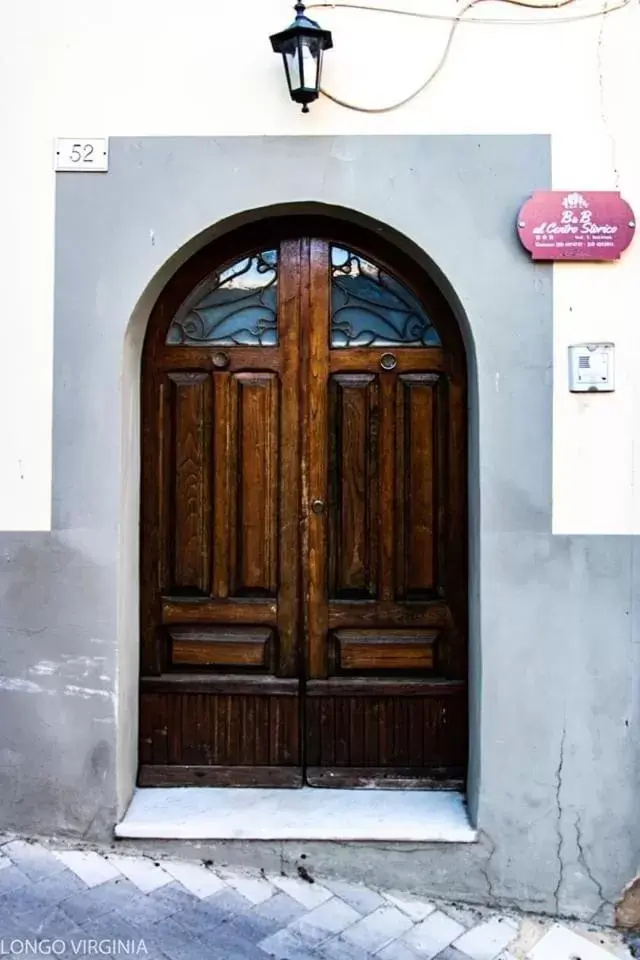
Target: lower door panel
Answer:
[[372, 733], [220, 731]]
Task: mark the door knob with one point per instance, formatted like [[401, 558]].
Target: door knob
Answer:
[[317, 506]]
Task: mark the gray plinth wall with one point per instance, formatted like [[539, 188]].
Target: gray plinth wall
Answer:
[[555, 749]]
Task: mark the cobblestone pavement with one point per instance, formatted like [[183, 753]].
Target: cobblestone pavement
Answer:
[[78, 902]]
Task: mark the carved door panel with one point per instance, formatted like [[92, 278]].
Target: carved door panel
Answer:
[[303, 585]]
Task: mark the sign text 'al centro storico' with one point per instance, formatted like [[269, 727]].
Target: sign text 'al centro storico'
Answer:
[[558, 225]]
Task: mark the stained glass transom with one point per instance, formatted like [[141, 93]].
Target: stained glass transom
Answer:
[[370, 308], [237, 306]]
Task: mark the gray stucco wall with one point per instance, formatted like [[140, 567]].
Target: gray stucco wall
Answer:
[[554, 746]]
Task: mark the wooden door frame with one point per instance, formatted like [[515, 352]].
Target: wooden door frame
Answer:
[[242, 242]]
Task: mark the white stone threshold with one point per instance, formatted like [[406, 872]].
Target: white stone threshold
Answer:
[[228, 813]]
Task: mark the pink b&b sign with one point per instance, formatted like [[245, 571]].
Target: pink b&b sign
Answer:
[[561, 225]]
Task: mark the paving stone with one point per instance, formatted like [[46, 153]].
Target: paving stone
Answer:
[[229, 902], [530, 931], [467, 916], [113, 927], [361, 898], [22, 900], [450, 953], [50, 923], [11, 879], [145, 911], [414, 907], [34, 860], [10, 930], [379, 928], [229, 944], [255, 889], [282, 909], [611, 940], [488, 939], [329, 919], [431, 936], [253, 927], [398, 950], [194, 877], [171, 938], [310, 895], [175, 897], [285, 946], [100, 900], [153, 953], [41, 896], [91, 867], [339, 949], [203, 917], [146, 874], [560, 943]]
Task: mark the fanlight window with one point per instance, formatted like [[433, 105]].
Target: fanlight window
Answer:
[[233, 307], [370, 308]]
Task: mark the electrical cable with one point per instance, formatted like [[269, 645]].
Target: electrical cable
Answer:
[[443, 17], [423, 86], [455, 21]]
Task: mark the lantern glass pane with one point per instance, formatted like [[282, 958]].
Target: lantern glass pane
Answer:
[[310, 58], [292, 63]]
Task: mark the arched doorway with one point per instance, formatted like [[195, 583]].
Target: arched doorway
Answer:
[[303, 517]]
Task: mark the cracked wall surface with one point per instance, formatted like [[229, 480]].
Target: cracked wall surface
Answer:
[[553, 750]]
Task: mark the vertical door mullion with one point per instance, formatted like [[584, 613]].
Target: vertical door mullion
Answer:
[[290, 325], [315, 472]]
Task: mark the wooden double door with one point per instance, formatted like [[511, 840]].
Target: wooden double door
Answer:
[[303, 531]]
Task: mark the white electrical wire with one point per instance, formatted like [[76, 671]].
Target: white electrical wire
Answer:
[[455, 21], [538, 21]]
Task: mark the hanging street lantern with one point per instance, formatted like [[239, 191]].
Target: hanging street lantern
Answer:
[[302, 45]]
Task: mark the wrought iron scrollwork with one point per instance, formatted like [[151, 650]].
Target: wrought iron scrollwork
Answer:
[[233, 307], [371, 308]]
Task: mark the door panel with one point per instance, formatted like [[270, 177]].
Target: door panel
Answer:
[[220, 686], [238, 647], [400, 741], [190, 480], [182, 732], [253, 515], [418, 464], [385, 698], [353, 486], [224, 483], [303, 594], [359, 651]]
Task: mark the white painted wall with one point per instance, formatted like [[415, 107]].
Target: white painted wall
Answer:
[[157, 67]]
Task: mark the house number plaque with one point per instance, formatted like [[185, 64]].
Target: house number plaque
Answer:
[[82, 154]]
